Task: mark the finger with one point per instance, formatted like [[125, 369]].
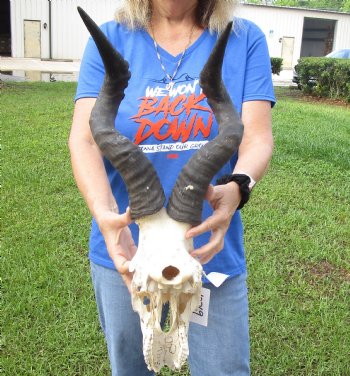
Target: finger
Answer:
[[210, 192], [128, 213], [215, 245], [212, 196], [125, 218], [209, 224], [206, 259], [132, 249], [121, 263], [126, 242]]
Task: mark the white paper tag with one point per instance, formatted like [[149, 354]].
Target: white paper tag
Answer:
[[200, 315], [217, 279]]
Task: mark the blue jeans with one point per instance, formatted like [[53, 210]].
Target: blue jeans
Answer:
[[220, 349]]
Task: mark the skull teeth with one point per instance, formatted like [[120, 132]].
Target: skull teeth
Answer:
[[166, 348]]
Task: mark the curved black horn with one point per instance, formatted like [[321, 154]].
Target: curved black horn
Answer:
[[186, 201], [146, 194]]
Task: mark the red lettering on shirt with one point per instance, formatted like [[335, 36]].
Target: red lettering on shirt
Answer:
[[175, 129]]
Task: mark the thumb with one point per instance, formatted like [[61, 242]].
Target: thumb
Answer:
[[210, 192], [120, 260], [122, 264], [125, 218]]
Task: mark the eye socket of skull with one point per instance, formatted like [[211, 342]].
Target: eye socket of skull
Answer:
[[170, 272]]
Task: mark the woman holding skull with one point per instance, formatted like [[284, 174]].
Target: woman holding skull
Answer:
[[164, 111]]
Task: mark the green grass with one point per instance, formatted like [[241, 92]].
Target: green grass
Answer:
[[297, 238]]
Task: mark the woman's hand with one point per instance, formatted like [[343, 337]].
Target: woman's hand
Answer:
[[224, 199], [119, 242]]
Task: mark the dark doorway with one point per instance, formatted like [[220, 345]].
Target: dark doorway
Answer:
[[318, 37], [5, 28]]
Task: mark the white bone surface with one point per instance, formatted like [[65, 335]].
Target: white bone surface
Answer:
[[162, 244]]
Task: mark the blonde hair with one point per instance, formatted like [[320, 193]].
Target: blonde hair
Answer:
[[211, 14]]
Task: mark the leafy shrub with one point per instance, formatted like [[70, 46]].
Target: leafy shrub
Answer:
[[324, 77], [276, 65]]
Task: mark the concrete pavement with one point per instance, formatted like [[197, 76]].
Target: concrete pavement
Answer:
[[31, 64], [32, 69], [284, 78], [55, 70]]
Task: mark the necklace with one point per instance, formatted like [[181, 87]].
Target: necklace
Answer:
[[171, 78]]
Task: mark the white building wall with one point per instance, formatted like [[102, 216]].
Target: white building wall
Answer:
[[279, 22], [69, 34], [342, 33], [34, 10]]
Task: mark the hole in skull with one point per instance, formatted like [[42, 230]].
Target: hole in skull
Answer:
[[165, 318], [170, 272], [146, 300]]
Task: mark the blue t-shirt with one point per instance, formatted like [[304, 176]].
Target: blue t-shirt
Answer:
[[170, 126]]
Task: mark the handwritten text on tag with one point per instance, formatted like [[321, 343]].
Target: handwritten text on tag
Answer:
[[200, 315]]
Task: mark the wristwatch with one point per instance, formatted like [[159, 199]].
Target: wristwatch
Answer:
[[245, 183], [252, 182]]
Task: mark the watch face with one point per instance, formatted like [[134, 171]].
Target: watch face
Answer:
[[252, 183]]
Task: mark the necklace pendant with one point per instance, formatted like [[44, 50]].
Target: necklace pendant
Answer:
[[170, 85]]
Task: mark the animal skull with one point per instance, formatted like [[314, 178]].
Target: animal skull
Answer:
[[164, 271]]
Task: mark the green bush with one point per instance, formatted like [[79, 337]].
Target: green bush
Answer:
[[324, 77], [276, 65]]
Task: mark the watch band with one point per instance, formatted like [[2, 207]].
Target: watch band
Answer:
[[244, 182]]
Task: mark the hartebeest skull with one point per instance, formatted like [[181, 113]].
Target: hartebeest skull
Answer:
[[164, 271]]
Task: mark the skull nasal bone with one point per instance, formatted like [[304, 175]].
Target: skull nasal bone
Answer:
[[170, 272]]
